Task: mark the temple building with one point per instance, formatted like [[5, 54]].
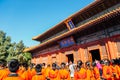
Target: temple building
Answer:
[[91, 33]]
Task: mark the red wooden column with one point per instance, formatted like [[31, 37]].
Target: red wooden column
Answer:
[[114, 49], [61, 57], [49, 59], [64, 58], [81, 54], [40, 59], [58, 59], [111, 49]]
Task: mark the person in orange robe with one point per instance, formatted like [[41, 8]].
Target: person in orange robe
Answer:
[[13, 66], [107, 71], [3, 71], [39, 75], [81, 73], [115, 69], [31, 70], [54, 73], [95, 71], [47, 70], [64, 73], [90, 74], [26, 74], [118, 64], [43, 68], [20, 70]]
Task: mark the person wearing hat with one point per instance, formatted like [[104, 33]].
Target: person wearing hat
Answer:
[[54, 73], [39, 75], [64, 73], [81, 73], [13, 66]]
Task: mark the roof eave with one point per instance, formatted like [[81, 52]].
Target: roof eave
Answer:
[[40, 36]]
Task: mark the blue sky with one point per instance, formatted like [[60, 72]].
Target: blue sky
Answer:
[[24, 19]]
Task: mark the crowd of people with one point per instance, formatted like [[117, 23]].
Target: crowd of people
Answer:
[[96, 70]]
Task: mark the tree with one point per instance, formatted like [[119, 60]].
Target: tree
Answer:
[[4, 45], [14, 50], [25, 57]]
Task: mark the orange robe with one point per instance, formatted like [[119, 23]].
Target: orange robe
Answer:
[[38, 77], [64, 74], [43, 71], [54, 75], [33, 72], [96, 73], [3, 73], [80, 75], [13, 78], [90, 75], [107, 72], [115, 70], [47, 70], [20, 71], [26, 75], [119, 71]]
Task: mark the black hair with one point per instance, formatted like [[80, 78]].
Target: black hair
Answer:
[[25, 65], [113, 61], [48, 65], [63, 63], [107, 62], [94, 64], [38, 68], [101, 61], [13, 65], [54, 65], [79, 62], [43, 64], [87, 63]]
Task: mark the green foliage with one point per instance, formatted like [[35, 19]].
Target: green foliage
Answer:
[[10, 50]]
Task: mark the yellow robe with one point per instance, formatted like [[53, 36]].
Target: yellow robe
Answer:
[[96, 73], [47, 70], [115, 70], [107, 72], [38, 77], [54, 75], [13, 78], [80, 75], [64, 74], [3, 73], [26, 75], [90, 75]]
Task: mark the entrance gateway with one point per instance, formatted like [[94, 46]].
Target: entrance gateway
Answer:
[[95, 54], [70, 58]]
